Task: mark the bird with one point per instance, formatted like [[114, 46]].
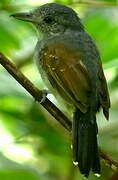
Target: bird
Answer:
[[70, 64]]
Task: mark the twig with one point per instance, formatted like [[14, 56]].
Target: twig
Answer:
[[115, 176], [109, 160], [48, 105], [34, 91]]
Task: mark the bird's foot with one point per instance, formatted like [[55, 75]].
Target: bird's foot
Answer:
[[45, 92]]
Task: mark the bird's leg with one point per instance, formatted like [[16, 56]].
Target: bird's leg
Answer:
[[45, 92]]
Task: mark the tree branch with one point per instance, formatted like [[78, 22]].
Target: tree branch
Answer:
[[48, 105], [108, 159], [115, 176], [34, 91]]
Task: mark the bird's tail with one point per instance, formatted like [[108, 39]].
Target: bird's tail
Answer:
[[84, 143]]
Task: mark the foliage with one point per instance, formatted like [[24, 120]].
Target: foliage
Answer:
[[33, 146]]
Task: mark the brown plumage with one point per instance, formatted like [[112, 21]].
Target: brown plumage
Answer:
[[69, 62], [68, 75]]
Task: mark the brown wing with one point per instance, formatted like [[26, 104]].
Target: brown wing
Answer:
[[104, 95], [67, 75]]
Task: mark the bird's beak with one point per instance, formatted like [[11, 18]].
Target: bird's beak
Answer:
[[23, 16]]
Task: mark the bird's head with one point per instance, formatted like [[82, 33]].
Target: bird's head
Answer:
[[52, 18]]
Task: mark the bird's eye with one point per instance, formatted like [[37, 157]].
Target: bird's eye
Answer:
[[48, 19]]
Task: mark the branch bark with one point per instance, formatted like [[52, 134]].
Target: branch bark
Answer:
[[115, 176], [34, 91], [47, 104]]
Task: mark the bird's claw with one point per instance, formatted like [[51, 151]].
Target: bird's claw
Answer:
[[45, 92]]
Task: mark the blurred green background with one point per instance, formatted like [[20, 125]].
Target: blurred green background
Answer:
[[33, 145]]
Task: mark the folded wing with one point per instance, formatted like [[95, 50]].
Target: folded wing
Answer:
[[67, 74]]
